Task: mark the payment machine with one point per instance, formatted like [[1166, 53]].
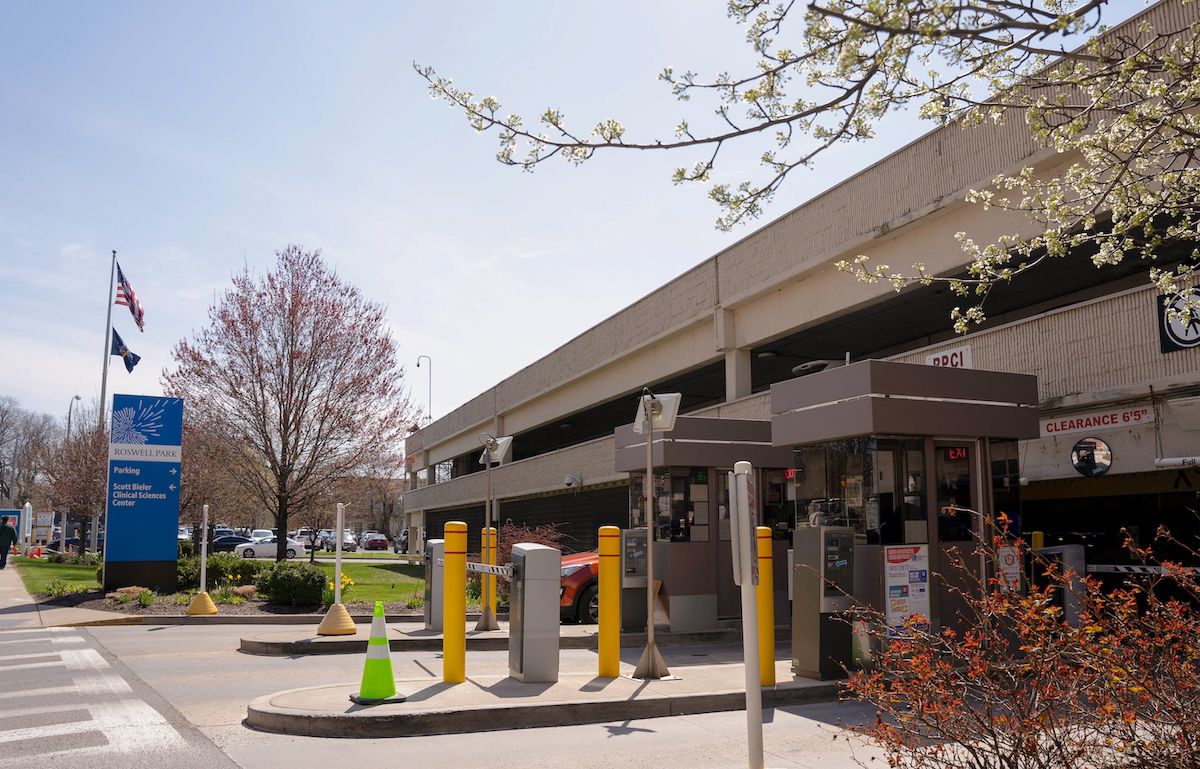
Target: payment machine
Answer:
[[633, 579], [435, 574], [822, 588], [533, 617]]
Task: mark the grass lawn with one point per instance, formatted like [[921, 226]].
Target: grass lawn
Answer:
[[37, 574], [387, 582]]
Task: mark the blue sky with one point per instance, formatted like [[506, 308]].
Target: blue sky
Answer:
[[198, 138]]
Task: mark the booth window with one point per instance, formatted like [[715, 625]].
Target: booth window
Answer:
[[898, 512], [637, 516], [955, 522], [779, 502], [835, 485], [1006, 482], [689, 504]]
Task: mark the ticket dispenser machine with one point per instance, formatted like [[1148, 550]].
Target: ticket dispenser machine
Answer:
[[533, 617], [822, 588], [1071, 559], [435, 573]]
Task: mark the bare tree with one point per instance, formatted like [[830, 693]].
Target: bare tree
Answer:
[[1121, 106], [77, 468], [206, 479], [299, 371]]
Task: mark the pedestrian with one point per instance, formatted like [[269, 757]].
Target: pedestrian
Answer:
[[404, 540], [8, 538]]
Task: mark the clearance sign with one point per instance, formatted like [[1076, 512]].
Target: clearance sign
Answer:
[[1092, 421]]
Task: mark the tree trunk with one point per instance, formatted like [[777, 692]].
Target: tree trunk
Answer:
[[281, 518]]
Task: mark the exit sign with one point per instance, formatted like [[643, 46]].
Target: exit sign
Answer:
[[956, 453]]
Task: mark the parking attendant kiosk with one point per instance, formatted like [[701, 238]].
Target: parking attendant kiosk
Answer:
[[435, 573]]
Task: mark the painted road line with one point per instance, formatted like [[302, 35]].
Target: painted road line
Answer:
[[84, 685], [129, 725], [54, 639], [43, 630]]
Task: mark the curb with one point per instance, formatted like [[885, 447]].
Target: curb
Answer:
[[332, 645], [261, 714], [244, 619]]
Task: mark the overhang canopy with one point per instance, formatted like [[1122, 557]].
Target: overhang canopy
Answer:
[[876, 397], [702, 442]]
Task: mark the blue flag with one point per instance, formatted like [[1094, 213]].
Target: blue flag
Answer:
[[119, 348]]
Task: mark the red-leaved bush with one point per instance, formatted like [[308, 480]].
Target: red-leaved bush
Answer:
[[1020, 688]]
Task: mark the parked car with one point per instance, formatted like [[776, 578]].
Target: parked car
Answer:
[[223, 531], [73, 542], [374, 541], [362, 538], [228, 543], [261, 534], [579, 591], [184, 533], [268, 547], [349, 544]]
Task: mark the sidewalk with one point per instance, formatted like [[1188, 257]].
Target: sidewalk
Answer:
[[19, 610]]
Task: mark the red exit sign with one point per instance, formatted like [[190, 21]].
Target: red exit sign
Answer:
[[955, 453]]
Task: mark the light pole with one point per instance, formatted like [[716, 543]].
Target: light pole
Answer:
[[495, 451], [654, 412], [429, 400]]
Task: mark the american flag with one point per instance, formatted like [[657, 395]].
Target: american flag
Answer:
[[127, 298]]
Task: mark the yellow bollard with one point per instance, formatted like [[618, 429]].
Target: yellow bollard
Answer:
[[766, 609], [454, 605], [1037, 540], [610, 602], [488, 552]]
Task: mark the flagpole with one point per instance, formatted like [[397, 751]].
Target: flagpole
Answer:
[[112, 276]]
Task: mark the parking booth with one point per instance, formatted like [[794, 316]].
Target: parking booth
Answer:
[[909, 461], [692, 550]]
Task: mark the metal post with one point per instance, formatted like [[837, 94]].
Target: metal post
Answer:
[[651, 664], [745, 574], [339, 521], [204, 551], [112, 276], [487, 615], [429, 402]]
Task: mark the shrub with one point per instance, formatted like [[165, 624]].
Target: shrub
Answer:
[[145, 598], [248, 592], [231, 569], [186, 549], [1022, 687], [100, 574], [187, 574], [293, 584], [56, 557], [223, 569], [56, 588]]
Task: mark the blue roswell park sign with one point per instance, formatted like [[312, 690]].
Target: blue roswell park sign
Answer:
[[143, 490]]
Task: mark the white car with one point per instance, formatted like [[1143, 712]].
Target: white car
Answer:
[[267, 548]]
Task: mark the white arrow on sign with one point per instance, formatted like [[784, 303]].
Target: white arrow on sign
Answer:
[[171, 487], [172, 471]]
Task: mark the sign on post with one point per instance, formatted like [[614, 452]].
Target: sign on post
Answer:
[[144, 454]]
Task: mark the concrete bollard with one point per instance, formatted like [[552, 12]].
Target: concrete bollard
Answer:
[[454, 611], [765, 593], [610, 602]]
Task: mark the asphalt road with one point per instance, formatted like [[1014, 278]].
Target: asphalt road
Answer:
[[175, 696]]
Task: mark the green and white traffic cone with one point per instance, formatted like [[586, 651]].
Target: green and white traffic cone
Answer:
[[378, 686]]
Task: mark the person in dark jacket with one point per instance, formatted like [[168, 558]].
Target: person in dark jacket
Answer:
[[8, 538]]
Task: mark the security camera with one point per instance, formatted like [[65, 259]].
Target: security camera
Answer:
[[813, 366], [572, 481]]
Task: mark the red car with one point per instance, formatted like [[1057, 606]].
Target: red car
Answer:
[[579, 599], [375, 542]]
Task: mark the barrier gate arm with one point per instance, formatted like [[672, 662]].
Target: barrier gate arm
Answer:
[[484, 568]]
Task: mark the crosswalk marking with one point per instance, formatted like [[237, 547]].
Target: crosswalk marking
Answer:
[[97, 713]]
